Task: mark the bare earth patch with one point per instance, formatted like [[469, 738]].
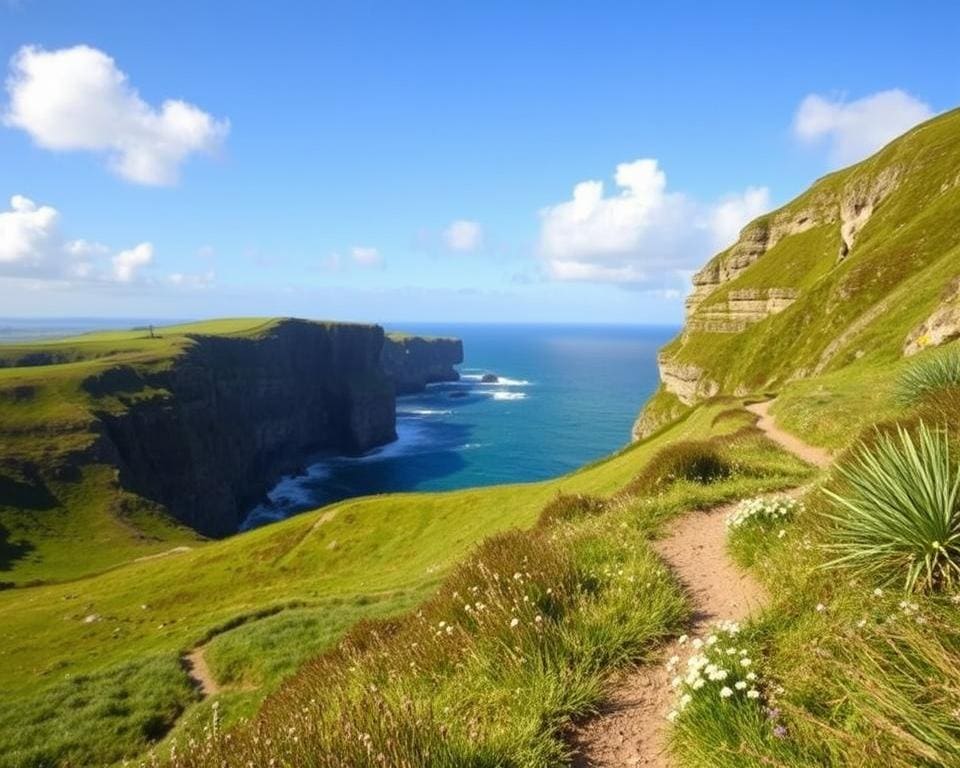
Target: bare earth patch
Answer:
[[199, 672], [809, 453]]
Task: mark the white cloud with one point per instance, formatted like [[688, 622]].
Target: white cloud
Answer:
[[727, 217], [853, 130], [31, 245], [127, 263], [28, 235], [644, 235], [77, 99], [365, 256], [463, 235]]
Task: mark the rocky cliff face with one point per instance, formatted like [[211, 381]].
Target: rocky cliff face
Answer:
[[412, 362], [861, 266], [234, 414]]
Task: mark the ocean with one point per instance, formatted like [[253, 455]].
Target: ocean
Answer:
[[566, 396]]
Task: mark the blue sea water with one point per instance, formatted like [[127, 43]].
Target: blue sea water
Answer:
[[567, 395]]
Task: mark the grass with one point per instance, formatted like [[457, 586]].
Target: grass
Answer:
[[490, 669], [516, 642], [264, 600], [897, 512], [938, 371], [850, 671]]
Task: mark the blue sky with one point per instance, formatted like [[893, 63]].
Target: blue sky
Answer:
[[417, 161]]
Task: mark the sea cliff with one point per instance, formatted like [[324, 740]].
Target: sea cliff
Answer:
[[833, 276], [195, 422], [412, 362], [236, 413]]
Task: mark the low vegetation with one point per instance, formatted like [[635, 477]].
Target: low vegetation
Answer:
[[897, 515], [517, 642], [264, 602], [859, 670], [937, 371]]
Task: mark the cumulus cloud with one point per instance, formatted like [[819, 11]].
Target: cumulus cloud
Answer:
[[727, 217], [463, 235], [853, 130], [28, 234], [78, 99], [31, 245], [127, 263], [366, 256], [641, 235]]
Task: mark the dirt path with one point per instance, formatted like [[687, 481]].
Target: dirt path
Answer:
[[631, 729], [199, 672], [809, 453]]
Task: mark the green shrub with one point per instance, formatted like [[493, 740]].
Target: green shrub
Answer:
[[941, 407], [897, 514], [933, 373], [697, 461], [565, 507]]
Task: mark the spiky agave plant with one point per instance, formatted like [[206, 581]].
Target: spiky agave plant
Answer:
[[938, 371], [898, 512]]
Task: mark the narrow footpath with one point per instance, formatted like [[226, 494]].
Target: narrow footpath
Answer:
[[199, 672], [631, 728]]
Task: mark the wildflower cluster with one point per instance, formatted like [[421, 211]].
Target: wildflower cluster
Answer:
[[716, 667], [763, 510]]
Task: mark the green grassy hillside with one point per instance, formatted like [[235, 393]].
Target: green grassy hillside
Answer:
[[862, 259], [269, 599]]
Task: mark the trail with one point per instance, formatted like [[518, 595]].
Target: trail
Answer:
[[809, 453], [199, 672], [631, 728]]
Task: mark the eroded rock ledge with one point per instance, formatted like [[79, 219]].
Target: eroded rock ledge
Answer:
[[849, 208], [412, 362], [941, 327], [741, 309]]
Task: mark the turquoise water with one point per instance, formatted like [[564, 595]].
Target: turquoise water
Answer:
[[566, 396]]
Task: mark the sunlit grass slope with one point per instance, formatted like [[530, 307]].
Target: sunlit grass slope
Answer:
[[313, 576], [853, 312], [857, 659]]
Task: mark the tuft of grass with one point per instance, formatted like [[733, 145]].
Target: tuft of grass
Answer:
[[565, 507], [122, 710], [897, 516], [697, 461], [933, 373]]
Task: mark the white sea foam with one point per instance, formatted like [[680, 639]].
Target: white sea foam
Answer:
[[504, 395], [504, 381], [424, 412]]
